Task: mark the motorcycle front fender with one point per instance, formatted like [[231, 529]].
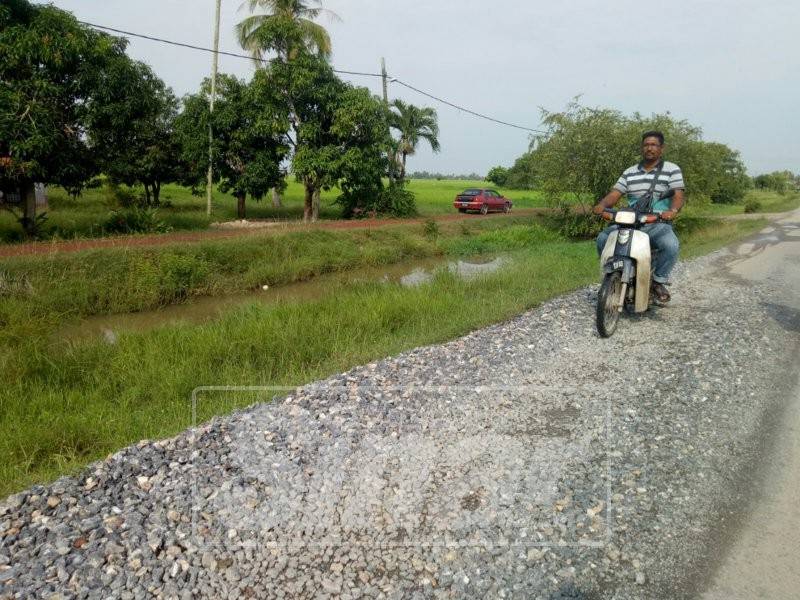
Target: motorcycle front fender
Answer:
[[640, 252], [637, 262]]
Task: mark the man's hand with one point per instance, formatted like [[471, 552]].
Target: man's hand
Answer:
[[668, 215], [609, 201], [601, 211]]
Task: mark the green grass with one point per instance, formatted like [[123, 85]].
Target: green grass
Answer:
[[114, 280], [771, 202], [704, 238], [63, 405], [84, 217]]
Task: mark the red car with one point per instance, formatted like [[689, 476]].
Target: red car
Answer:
[[482, 201]]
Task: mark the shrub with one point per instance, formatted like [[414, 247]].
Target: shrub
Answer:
[[573, 223], [117, 195], [398, 202], [688, 224], [431, 229], [395, 201], [498, 176], [752, 205], [135, 220]]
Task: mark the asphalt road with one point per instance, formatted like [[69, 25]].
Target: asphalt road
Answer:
[[760, 559]]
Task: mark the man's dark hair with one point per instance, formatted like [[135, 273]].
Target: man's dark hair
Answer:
[[655, 134]]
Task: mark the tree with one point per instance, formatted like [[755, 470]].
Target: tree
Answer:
[[777, 181], [52, 82], [361, 128], [142, 132], [497, 176], [584, 150], [339, 133], [286, 28], [582, 153], [413, 124], [522, 175], [249, 137]]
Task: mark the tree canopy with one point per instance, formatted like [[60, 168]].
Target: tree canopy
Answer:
[[249, 137], [53, 90], [413, 124], [285, 27], [72, 103], [584, 150], [339, 133], [777, 181]]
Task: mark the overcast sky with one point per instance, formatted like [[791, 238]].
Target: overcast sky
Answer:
[[729, 66]]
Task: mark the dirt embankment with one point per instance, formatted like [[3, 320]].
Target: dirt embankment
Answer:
[[253, 228]]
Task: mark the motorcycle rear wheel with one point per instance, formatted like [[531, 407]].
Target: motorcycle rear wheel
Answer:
[[608, 304]]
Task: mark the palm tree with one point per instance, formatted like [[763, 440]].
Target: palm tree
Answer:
[[413, 124], [259, 33], [284, 27]]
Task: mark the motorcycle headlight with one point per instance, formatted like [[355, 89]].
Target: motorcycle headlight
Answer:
[[624, 236]]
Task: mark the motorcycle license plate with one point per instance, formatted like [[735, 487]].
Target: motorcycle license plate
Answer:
[[618, 264]]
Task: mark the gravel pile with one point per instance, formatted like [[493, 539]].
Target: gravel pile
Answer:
[[527, 460]]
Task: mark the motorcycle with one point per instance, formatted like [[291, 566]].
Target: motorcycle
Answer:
[[626, 262]]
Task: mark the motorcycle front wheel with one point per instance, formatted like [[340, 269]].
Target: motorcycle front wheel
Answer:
[[608, 299]]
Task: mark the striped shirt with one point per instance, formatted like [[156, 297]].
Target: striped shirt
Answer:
[[635, 182]]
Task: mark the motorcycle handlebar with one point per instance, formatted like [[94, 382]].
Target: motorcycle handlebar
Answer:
[[641, 217]]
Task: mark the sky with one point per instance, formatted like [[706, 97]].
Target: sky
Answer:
[[728, 66]]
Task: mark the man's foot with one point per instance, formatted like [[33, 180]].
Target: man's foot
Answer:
[[660, 293]]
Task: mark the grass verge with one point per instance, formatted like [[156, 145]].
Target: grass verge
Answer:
[[63, 406]]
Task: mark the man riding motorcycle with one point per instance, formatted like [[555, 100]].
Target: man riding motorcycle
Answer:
[[653, 185]]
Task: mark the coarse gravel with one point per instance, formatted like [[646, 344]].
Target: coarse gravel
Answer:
[[530, 459]]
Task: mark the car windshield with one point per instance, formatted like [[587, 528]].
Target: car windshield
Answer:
[[471, 192]]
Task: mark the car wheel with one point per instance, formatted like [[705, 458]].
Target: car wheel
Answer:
[[484, 209], [462, 210], [506, 207]]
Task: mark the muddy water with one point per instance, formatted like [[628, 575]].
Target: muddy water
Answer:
[[207, 308]]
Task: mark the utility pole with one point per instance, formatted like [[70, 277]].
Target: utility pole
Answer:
[[214, 67], [383, 76]]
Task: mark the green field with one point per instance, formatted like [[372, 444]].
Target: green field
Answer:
[[84, 217]]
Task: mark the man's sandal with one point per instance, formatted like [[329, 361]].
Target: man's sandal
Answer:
[[661, 293]]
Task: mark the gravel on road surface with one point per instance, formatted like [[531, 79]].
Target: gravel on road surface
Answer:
[[530, 459]]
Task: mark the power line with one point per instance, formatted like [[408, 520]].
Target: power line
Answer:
[[204, 49], [466, 110], [340, 71]]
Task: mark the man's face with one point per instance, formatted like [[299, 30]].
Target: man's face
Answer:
[[652, 149]]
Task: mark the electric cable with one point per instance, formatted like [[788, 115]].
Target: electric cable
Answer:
[[340, 71]]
